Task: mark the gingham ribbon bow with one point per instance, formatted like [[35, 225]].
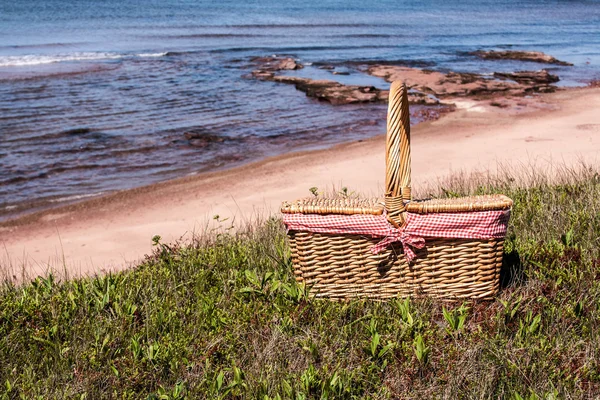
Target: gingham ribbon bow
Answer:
[[408, 241]]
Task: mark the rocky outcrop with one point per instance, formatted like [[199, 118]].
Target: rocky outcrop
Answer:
[[262, 75], [289, 64], [337, 93], [425, 87], [455, 84], [274, 63], [535, 56], [331, 91], [334, 92], [415, 97], [266, 67], [529, 77], [452, 84]]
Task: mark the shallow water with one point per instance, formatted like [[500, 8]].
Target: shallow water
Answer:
[[98, 96]]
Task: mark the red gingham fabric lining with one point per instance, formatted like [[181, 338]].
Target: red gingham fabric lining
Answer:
[[470, 225]]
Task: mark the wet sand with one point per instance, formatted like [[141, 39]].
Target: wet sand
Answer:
[[115, 231]]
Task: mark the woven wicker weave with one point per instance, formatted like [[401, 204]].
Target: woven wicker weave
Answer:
[[341, 266], [334, 206], [460, 204]]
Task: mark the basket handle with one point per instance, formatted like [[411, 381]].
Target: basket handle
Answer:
[[397, 154]]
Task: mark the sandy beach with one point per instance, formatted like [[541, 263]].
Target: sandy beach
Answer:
[[115, 231]]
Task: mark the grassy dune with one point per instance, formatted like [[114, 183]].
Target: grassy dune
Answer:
[[223, 318]]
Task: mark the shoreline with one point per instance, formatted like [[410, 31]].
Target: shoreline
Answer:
[[114, 231], [432, 94], [27, 214]]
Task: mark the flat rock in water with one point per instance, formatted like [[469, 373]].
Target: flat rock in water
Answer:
[[275, 63], [335, 92], [535, 56], [426, 87], [422, 98], [263, 75], [456, 84], [453, 84], [529, 77], [289, 64]]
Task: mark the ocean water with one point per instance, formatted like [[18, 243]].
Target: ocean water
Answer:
[[97, 96]]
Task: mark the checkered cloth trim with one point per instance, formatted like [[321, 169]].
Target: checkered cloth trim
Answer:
[[470, 225], [355, 224]]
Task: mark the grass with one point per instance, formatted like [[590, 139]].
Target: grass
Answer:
[[223, 318]]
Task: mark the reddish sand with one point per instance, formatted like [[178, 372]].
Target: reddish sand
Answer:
[[115, 231]]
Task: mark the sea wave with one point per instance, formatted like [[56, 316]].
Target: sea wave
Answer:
[[309, 25], [278, 49], [206, 36], [39, 59], [40, 45], [144, 55]]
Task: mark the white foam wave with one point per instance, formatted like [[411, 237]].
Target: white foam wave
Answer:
[[38, 59], [152, 54]]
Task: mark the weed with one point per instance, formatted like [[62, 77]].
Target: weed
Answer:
[[455, 318]]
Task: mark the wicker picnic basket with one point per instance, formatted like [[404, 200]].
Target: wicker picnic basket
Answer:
[[390, 247]]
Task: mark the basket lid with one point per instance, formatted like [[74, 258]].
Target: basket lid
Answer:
[[460, 204], [344, 206]]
